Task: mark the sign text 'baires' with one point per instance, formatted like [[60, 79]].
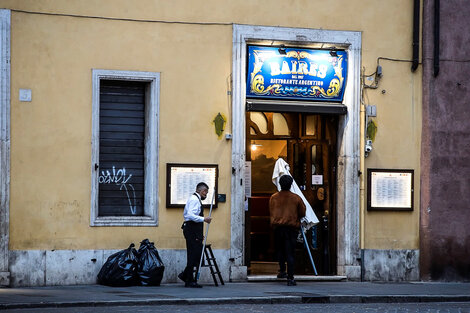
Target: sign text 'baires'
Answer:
[[306, 74]]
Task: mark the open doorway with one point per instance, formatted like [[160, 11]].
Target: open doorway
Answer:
[[308, 143]]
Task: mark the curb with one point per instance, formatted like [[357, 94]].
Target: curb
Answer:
[[269, 278], [385, 299], [246, 300], [190, 301]]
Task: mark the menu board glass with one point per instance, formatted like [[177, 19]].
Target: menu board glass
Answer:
[[182, 180], [390, 189]]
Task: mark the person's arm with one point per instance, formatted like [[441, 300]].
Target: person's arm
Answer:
[[301, 209], [271, 208]]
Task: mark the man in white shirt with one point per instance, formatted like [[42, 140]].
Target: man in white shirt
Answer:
[[193, 233]]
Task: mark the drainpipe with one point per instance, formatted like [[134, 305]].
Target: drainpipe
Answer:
[[416, 8], [362, 185], [436, 36]]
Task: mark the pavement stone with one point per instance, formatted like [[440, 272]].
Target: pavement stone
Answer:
[[432, 307], [231, 293]]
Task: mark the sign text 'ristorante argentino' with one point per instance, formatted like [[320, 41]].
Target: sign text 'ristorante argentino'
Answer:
[[307, 74]]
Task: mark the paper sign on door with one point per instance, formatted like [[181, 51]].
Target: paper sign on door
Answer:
[[317, 179]]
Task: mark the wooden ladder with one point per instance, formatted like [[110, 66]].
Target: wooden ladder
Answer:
[[211, 263]]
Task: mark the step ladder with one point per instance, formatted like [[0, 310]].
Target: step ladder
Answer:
[[211, 263]]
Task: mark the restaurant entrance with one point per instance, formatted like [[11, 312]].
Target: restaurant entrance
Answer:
[[307, 142]]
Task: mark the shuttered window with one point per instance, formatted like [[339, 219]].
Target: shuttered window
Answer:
[[124, 156], [121, 156]]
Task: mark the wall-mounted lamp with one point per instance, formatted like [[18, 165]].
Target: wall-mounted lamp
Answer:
[[378, 71], [282, 50], [333, 52], [375, 77]]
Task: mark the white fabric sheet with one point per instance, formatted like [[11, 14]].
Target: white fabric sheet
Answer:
[[282, 168]]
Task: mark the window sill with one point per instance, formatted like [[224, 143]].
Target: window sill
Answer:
[[135, 221]]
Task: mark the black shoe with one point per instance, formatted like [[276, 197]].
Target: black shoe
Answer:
[[291, 282], [282, 275], [192, 284], [181, 276]]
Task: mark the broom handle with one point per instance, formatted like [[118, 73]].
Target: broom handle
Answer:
[[205, 238]]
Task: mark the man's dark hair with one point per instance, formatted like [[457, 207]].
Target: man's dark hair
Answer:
[[201, 186], [286, 182]]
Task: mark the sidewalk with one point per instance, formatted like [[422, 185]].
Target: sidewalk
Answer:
[[246, 292]]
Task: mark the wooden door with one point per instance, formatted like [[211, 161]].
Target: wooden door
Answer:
[[311, 154], [312, 163]]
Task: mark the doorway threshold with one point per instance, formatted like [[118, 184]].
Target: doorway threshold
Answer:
[[264, 278]]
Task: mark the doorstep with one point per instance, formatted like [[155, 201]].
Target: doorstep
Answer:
[[260, 278]]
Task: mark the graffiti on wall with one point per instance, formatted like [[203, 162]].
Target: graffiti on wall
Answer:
[[120, 178]]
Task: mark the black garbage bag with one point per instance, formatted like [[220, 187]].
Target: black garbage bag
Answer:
[[150, 267], [120, 269]]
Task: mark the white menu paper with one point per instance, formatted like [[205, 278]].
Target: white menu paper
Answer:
[[391, 190], [185, 179]]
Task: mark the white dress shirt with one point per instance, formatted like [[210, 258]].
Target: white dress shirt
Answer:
[[192, 209]]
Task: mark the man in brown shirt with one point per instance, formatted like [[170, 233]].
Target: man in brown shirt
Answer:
[[286, 209]]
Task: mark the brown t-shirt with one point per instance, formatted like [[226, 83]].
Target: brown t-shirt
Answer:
[[286, 208]]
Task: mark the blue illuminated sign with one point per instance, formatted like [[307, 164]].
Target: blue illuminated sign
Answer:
[[306, 74]]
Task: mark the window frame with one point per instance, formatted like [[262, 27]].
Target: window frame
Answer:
[[150, 217]]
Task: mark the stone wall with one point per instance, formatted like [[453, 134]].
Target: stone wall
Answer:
[[390, 265], [80, 267], [445, 160]]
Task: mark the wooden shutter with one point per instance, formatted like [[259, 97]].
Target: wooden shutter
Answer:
[[122, 143]]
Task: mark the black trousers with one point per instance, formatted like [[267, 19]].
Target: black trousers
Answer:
[[286, 237], [193, 234]]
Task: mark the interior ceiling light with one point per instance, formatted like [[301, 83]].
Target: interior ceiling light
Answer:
[[255, 146]]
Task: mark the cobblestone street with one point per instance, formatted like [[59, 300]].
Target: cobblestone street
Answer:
[[451, 307]]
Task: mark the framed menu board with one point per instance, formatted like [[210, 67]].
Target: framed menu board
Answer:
[[182, 180], [390, 190]]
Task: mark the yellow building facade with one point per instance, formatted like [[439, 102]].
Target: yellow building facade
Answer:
[[191, 58]]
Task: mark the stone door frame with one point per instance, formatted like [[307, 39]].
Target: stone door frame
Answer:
[[5, 33], [348, 165]]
